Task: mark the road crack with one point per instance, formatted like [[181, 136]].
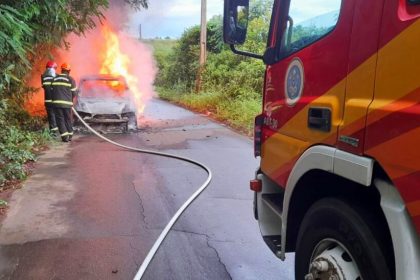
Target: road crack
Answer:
[[208, 240], [143, 216]]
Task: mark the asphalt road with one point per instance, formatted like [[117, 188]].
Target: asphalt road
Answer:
[[92, 210]]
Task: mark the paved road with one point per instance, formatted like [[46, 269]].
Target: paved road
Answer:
[[92, 211]]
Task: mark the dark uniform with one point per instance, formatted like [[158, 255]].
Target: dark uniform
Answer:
[[46, 80], [64, 90]]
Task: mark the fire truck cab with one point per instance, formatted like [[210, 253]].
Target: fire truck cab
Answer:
[[338, 136]]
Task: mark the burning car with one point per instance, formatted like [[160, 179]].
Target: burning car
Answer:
[[106, 99]]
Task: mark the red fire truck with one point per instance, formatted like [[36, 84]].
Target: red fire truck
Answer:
[[339, 135]]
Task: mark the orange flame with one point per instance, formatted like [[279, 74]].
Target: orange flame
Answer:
[[115, 62]]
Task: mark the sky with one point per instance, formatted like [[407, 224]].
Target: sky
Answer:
[[171, 17], [302, 10]]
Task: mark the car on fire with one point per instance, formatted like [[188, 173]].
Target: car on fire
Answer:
[[106, 99]]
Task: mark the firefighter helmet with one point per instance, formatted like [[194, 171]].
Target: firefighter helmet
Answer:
[[51, 64], [65, 66]]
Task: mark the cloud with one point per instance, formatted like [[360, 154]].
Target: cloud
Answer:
[[302, 10], [171, 17]]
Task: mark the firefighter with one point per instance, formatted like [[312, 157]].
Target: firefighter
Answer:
[[46, 81], [64, 90]]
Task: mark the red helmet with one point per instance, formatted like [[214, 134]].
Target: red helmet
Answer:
[[65, 66], [51, 64]]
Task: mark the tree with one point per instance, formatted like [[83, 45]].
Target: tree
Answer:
[[29, 30], [215, 34], [138, 4]]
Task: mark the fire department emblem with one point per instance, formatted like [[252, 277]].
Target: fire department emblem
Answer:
[[294, 82]]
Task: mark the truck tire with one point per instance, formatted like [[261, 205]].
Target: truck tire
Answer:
[[338, 239]]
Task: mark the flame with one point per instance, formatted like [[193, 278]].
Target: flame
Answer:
[[116, 62]]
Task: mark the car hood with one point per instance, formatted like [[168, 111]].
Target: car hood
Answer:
[[104, 106]]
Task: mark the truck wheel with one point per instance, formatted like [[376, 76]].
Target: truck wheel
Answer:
[[336, 242]]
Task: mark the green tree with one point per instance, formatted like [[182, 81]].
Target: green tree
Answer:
[[215, 34], [183, 62], [138, 4], [29, 30]]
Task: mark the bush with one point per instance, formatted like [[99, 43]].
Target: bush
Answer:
[[231, 84], [238, 113], [17, 141]]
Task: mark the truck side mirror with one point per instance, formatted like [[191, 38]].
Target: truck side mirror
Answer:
[[269, 56], [235, 21]]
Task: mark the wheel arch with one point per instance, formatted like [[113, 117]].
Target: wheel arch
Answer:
[[315, 176]]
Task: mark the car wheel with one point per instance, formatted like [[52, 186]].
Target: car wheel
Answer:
[[132, 122], [337, 241]]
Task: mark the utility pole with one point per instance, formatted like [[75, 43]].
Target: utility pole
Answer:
[[203, 33], [203, 44], [140, 35]]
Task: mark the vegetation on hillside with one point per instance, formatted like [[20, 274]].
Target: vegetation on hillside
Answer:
[[29, 31], [232, 84]]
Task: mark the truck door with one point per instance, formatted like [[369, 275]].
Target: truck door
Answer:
[[360, 84], [305, 87], [392, 128]]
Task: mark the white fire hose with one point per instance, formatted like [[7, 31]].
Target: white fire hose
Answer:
[[178, 213]]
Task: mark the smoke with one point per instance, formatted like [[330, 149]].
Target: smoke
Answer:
[[86, 55]]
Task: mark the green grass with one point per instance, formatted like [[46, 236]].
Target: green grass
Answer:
[[161, 46], [238, 113]]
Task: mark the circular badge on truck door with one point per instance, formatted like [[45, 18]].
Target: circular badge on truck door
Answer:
[[294, 82]]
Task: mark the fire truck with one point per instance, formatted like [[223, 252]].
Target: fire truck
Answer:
[[339, 136]]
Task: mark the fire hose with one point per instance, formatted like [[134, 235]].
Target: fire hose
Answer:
[[178, 213]]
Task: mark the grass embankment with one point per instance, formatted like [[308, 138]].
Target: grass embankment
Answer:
[[237, 113], [231, 84], [161, 45]]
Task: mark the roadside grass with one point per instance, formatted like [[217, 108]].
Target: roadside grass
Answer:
[[237, 113], [161, 46], [21, 139]]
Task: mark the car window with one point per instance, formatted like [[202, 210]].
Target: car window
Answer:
[[103, 88], [308, 21]]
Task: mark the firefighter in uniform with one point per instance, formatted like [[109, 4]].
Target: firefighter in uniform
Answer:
[[64, 90], [46, 81]]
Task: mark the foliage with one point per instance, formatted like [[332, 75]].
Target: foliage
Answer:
[[215, 34], [32, 29], [235, 76], [178, 66], [17, 141], [237, 112], [138, 4], [259, 21], [29, 31], [260, 9], [232, 84]]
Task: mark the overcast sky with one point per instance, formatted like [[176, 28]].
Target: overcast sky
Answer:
[[171, 17]]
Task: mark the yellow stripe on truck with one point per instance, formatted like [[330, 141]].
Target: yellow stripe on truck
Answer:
[[296, 143], [393, 82], [397, 70]]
